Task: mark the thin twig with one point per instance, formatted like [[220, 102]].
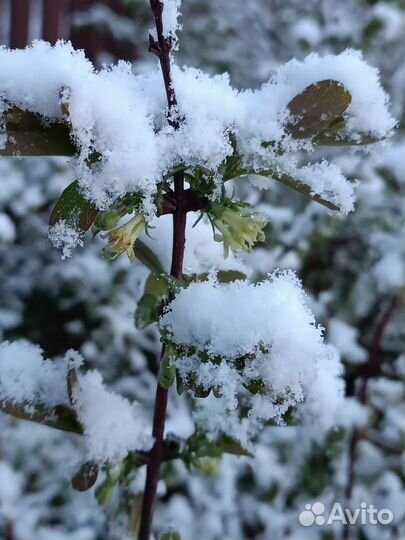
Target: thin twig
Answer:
[[372, 368], [162, 50]]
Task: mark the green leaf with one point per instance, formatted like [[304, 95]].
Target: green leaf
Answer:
[[86, 476], [292, 183], [59, 417], [146, 312], [333, 138], [198, 445], [104, 493], [181, 386], [205, 465], [255, 386], [223, 276], [147, 257], [167, 371], [74, 208], [227, 276], [27, 135], [172, 535], [107, 220], [156, 286], [297, 185], [230, 446], [304, 189], [316, 108]]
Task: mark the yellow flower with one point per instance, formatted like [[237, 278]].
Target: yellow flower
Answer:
[[122, 239], [239, 229]]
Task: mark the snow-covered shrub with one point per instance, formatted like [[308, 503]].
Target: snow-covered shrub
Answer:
[[215, 134]]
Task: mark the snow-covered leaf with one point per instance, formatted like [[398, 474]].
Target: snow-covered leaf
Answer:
[[316, 108], [72, 207], [28, 135]]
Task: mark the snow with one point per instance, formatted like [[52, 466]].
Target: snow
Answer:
[[66, 237], [27, 378], [307, 30], [106, 111], [7, 229], [171, 13], [94, 299], [345, 338], [352, 414], [389, 271], [367, 112], [10, 490], [276, 339], [392, 19], [121, 117], [327, 180], [112, 426], [277, 316]]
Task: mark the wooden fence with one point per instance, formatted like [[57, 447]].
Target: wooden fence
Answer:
[[24, 20]]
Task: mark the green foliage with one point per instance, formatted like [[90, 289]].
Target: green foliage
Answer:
[[86, 476], [146, 256], [167, 371], [29, 135], [146, 311], [200, 447], [74, 208], [157, 289], [223, 276], [236, 225], [104, 492], [60, 417], [317, 108]]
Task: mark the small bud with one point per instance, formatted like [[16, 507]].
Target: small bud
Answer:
[[105, 221], [86, 477], [104, 493]]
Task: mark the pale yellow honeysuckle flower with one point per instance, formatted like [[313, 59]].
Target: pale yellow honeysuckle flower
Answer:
[[239, 229], [121, 239]]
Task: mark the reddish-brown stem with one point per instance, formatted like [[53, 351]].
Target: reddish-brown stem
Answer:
[[371, 369], [10, 533], [156, 454], [162, 50]]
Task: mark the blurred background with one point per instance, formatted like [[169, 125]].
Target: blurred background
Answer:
[[352, 269]]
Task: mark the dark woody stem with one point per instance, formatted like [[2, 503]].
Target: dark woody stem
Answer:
[[372, 368], [162, 48]]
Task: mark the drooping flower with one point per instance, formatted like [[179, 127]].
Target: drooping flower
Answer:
[[121, 239], [238, 227]]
